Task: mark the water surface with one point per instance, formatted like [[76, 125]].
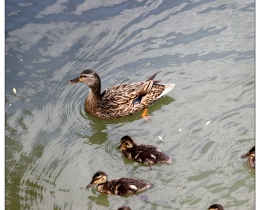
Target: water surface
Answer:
[[207, 121]]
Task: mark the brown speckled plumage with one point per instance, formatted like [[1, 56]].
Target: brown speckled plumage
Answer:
[[120, 100], [142, 153], [120, 186]]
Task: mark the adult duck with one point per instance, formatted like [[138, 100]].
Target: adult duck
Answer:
[[120, 100]]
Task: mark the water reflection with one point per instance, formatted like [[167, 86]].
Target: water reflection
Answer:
[[96, 130], [98, 134], [100, 200]]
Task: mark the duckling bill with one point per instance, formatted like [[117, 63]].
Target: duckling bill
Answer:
[[250, 155], [120, 186], [142, 153], [120, 100]]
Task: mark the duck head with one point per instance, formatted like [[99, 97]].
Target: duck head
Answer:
[[127, 142], [88, 77], [99, 178]]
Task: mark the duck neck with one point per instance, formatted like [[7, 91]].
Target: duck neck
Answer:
[[103, 187], [95, 92]]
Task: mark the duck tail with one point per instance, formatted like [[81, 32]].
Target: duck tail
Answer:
[[168, 88], [152, 77]]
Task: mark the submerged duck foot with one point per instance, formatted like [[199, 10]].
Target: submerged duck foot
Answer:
[[144, 198], [146, 117]]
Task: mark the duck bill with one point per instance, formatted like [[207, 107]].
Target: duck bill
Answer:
[[73, 81], [120, 148], [245, 156], [89, 185]]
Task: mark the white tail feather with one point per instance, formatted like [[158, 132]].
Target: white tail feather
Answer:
[[168, 88]]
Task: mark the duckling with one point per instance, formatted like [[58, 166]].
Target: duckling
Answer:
[[216, 207], [142, 153], [124, 208], [120, 186], [250, 157], [120, 100]]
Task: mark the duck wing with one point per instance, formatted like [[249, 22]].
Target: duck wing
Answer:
[[145, 154], [129, 98], [125, 93], [127, 186]]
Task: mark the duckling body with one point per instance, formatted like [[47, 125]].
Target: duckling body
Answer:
[[142, 153], [120, 100], [121, 186], [250, 155]]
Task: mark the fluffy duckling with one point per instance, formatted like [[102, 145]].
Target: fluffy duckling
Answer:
[[120, 100], [142, 153], [120, 186], [216, 207], [250, 155]]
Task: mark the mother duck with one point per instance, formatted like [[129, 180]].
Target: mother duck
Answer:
[[120, 100]]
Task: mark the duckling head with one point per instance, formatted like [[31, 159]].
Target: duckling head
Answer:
[[127, 142], [99, 178], [251, 162], [216, 207], [251, 153], [124, 208]]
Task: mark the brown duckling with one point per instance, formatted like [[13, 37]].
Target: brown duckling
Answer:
[[216, 207], [250, 155], [120, 100], [120, 186], [142, 153]]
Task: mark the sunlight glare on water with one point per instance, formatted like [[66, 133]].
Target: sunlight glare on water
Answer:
[[53, 147]]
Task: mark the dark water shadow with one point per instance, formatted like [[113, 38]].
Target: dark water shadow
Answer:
[[166, 100], [99, 126], [101, 200]]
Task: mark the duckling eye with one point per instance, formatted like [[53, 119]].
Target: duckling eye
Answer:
[[127, 144], [83, 76], [98, 177]]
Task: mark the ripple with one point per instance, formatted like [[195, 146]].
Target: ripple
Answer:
[[114, 153]]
